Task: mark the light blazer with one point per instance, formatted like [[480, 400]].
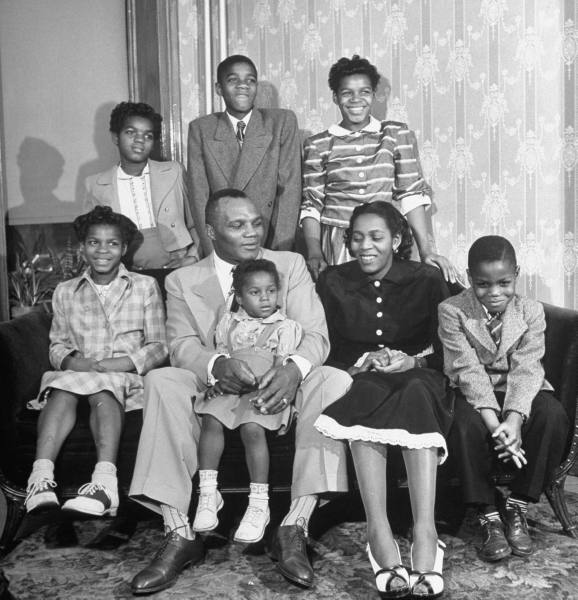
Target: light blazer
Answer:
[[473, 363], [169, 197], [267, 169], [195, 304]]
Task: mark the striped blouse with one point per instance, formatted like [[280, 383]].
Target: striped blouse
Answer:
[[343, 169]]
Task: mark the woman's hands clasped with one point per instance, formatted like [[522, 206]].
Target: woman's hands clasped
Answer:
[[385, 360]]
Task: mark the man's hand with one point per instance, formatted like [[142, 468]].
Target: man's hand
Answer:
[[234, 375], [277, 388]]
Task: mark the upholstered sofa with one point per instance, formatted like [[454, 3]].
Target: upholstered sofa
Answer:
[[24, 357]]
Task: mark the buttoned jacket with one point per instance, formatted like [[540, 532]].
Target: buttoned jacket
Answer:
[[169, 199], [474, 363], [267, 168]]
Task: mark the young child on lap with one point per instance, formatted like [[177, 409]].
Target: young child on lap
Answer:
[[108, 330], [261, 336], [493, 341]]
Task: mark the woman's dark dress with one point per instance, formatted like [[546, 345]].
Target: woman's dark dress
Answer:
[[412, 409]]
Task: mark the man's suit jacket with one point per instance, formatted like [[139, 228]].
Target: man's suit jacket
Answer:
[[195, 303], [474, 363], [267, 169], [169, 198]]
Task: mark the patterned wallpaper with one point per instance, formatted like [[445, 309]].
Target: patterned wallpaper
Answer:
[[489, 86]]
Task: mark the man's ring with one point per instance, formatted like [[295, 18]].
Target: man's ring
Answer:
[[284, 400]]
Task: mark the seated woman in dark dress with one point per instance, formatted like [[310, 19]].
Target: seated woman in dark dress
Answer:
[[382, 316]]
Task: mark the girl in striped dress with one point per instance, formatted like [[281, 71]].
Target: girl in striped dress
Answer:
[[361, 160], [108, 330]]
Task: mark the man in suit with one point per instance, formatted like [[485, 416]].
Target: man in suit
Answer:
[[150, 193], [255, 150], [167, 456]]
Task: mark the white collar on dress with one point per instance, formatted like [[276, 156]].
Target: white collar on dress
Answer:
[[374, 126]]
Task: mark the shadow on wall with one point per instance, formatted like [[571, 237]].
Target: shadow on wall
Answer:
[[41, 167], [106, 153]]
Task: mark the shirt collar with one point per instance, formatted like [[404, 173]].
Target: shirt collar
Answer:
[[123, 273], [120, 174], [241, 315], [355, 278], [374, 126], [234, 120]]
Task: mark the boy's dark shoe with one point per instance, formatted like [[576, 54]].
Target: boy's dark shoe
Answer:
[[494, 543], [517, 532]]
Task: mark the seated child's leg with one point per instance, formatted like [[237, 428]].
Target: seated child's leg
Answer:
[[256, 452], [544, 438], [257, 516], [54, 425], [471, 448], [100, 496], [211, 446]]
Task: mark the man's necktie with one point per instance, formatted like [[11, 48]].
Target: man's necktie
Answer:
[[494, 325], [240, 132]]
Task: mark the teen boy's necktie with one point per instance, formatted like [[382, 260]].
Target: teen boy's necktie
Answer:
[[494, 325], [241, 132]]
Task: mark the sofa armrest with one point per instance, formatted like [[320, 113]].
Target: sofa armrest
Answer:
[[561, 366], [24, 343]]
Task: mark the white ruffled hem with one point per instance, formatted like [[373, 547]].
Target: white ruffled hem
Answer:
[[394, 437]]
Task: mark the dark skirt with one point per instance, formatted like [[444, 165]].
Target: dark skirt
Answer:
[[413, 409]]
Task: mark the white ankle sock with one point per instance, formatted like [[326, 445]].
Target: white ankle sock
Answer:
[[208, 481], [300, 512], [175, 520], [259, 495], [42, 468], [105, 474]]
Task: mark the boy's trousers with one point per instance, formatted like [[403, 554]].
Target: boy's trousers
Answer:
[[471, 450]]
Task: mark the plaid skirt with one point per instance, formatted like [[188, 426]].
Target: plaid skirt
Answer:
[[127, 388]]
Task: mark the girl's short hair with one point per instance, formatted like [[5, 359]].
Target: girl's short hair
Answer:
[[104, 215], [394, 220], [352, 66], [248, 267], [491, 248], [121, 112]]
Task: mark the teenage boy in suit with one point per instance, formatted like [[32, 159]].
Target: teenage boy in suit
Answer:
[[152, 194], [166, 462], [493, 340], [255, 150]]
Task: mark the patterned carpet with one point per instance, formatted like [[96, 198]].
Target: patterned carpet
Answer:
[[342, 571]]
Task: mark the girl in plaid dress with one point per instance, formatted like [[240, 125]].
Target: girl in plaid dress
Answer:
[[108, 330], [259, 334], [357, 161]]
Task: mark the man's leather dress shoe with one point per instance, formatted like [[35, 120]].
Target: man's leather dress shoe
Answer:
[[494, 543], [517, 532], [175, 553], [290, 550]]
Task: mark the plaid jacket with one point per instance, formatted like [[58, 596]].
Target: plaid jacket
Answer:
[[130, 323]]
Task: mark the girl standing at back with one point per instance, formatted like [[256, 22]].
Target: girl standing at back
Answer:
[[107, 332], [261, 335]]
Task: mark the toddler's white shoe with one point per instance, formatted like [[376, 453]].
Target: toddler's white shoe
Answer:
[[252, 526], [206, 516]]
